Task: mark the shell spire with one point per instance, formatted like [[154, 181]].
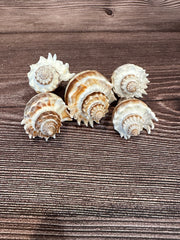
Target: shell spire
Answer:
[[129, 81], [88, 96], [47, 74], [43, 115], [131, 116]]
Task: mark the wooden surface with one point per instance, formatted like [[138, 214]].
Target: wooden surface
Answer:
[[90, 183]]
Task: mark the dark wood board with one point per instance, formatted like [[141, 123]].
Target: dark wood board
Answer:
[[88, 183], [89, 15], [55, 227]]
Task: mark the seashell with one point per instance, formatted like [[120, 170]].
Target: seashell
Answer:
[[129, 81], [43, 115], [47, 74], [88, 95], [130, 116]]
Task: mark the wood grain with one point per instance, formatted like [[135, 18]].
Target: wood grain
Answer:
[[56, 227], [158, 53], [89, 15], [108, 177], [89, 183]]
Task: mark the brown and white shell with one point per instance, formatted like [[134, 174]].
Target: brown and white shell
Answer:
[[129, 81], [88, 95], [130, 116], [44, 114], [47, 74]]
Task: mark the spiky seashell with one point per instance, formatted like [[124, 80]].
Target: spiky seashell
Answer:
[[88, 95], [43, 115], [129, 81], [47, 74], [130, 116]]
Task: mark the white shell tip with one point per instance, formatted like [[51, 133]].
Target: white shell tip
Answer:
[[55, 57], [79, 122], [49, 55], [86, 123]]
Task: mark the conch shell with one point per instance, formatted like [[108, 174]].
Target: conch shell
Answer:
[[88, 95], [130, 116], [129, 81], [47, 74], [43, 115]]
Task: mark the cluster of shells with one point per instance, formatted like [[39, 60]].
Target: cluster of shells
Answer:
[[88, 96]]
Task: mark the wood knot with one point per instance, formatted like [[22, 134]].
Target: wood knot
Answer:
[[108, 11]]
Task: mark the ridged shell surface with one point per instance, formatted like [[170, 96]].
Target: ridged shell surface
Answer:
[[129, 81], [131, 116], [43, 115], [88, 95], [47, 74]]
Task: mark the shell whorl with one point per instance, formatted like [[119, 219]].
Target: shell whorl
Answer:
[[88, 96], [43, 115], [133, 125], [131, 116], [47, 74], [129, 81], [48, 124], [96, 106], [129, 84]]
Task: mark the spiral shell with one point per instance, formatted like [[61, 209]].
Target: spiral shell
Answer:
[[88, 96], [43, 115], [131, 116], [47, 74], [129, 81]]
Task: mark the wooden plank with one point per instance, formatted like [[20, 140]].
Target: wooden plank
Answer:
[[89, 183], [56, 227], [89, 15], [158, 53], [107, 177]]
